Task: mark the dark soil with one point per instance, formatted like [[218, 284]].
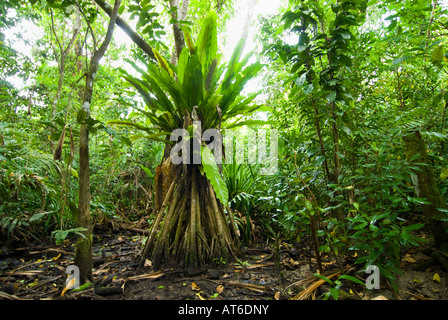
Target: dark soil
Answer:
[[37, 271]]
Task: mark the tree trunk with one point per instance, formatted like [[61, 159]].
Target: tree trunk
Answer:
[[191, 227], [178, 34], [135, 37], [179, 40], [61, 67], [83, 250], [426, 187]]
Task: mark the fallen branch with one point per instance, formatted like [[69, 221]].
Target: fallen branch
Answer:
[[134, 229], [52, 279], [152, 275], [52, 250], [305, 294], [260, 265], [139, 41], [249, 286], [25, 273], [252, 287], [4, 295], [313, 282]]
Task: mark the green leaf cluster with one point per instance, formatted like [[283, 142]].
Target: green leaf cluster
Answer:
[[170, 92]]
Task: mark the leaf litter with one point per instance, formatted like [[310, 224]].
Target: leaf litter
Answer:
[[38, 272]]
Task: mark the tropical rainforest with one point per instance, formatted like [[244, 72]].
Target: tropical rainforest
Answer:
[[213, 150]]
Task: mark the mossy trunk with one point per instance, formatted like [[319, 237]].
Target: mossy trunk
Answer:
[[426, 187], [83, 250]]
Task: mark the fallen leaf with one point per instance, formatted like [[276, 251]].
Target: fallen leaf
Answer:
[[148, 263], [64, 291], [225, 276], [409, 259], [70, 284], [220, 289], [436, 277], [56, 258], [199, 295], [380, 298], [277, 295], [195, 287]]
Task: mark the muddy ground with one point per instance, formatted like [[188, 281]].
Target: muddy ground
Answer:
[[37, 271]]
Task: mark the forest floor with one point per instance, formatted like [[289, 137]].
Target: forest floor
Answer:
[[30, 271]]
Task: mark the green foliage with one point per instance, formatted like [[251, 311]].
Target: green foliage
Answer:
[[350, 93], [212, 173], [241, 183], [335, 286], [27, 186], [347, 80], [379, 239], [61, 235], [148, 19]]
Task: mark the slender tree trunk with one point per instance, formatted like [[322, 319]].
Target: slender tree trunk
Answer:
[[184, 10], [179, 40], [178, 34], [334, 176], [61, 67], [83, 250], [442, 129], [316, 120]]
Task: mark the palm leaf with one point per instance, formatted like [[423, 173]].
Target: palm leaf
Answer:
[[182, 65], [136, 84], [163, 63], [189, 41], [249, 123], [212, 173], [193, 83], [233, 64], [207, 43], [231, 94]]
